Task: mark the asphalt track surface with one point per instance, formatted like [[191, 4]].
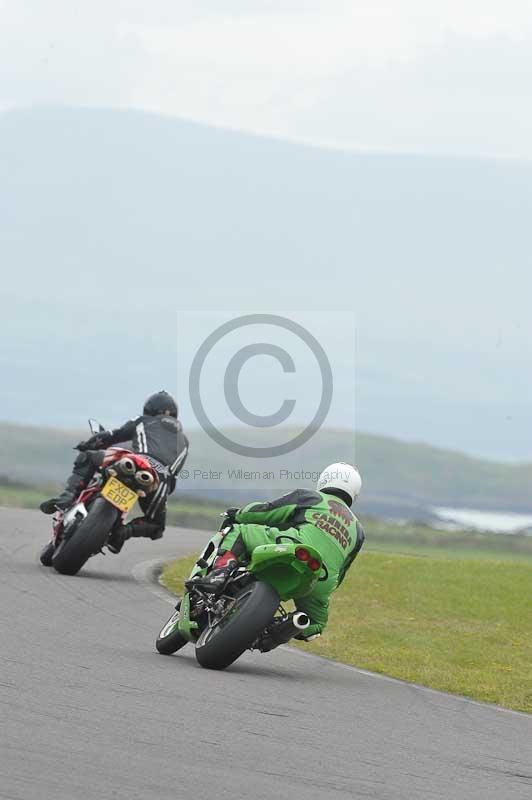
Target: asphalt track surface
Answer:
[[88, 709]]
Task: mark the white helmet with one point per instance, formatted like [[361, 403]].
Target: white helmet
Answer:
[[343, 478]]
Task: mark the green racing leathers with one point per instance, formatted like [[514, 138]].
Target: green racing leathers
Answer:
[[314, 518]]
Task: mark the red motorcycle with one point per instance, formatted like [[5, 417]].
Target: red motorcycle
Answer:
[[83, 529]]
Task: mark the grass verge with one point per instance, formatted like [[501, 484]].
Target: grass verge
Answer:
[[185, 512], [414, 539], [18, 496], [462, 625]]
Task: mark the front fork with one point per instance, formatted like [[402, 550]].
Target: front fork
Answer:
[[187, 626]]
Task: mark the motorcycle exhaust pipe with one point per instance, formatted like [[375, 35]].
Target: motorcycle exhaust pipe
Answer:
[[127, 465], [300, 621], [281, 632]]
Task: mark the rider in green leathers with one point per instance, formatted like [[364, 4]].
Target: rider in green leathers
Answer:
[[320, 518]]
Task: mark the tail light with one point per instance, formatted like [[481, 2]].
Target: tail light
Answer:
[[142, 463], [303, 555]]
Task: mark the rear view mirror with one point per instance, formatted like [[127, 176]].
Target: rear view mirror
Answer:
[[95, 426]]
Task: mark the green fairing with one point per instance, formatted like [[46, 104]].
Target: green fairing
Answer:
[[314, 519], [323, 524], [275, 564], [278, 566]]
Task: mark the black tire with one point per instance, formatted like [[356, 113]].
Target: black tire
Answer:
[[88, 538], [46, 554], [170, 640], [221, 644]]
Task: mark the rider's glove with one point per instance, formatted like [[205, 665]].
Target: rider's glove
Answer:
[[97, 442], [228, 518]]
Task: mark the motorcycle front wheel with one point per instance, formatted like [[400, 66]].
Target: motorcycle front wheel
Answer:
[[88, 538], [226, 638], [47, 554], [170, 640]]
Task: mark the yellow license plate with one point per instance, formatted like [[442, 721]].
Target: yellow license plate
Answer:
[[118, 494]]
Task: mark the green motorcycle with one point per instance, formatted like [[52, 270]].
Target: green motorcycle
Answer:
[[248, 612]]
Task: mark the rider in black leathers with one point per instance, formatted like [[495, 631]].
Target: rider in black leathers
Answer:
[[158, 435]]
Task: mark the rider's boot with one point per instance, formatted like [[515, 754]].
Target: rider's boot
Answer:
[[116, 539], [223, 566], [74, 485], [139, 527]]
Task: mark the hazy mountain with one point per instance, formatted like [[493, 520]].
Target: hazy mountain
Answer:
[[400, 479], [116, 225]]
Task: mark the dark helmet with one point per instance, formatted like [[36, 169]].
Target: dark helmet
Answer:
[[160, 402]]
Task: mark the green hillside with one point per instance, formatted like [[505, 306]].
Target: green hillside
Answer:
[[399, 478]]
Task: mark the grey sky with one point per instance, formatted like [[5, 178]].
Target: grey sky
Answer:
[[451, 77], [431, 253]]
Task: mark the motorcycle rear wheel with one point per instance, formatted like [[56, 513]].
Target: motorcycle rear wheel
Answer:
[[220, 644], [88, 538]]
